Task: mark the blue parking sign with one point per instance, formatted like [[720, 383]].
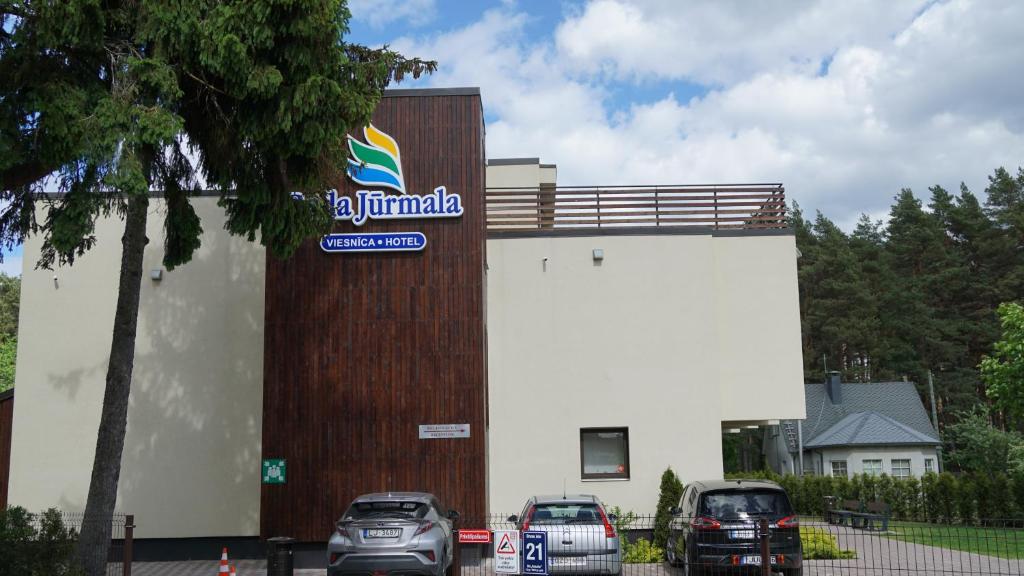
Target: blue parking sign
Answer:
[[535, 553]]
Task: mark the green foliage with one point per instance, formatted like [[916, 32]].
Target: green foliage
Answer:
[[947, 497], [965, 495], [641, 552], [819, 544], [36, 545], [670, 491], [8, 358], [931, 506], [1001, 504], [10, 302], [974, 445], [1003, 371]]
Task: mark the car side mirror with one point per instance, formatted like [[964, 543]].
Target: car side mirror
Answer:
[[453, 515], [513, 518], [674, 510], [612, 517]]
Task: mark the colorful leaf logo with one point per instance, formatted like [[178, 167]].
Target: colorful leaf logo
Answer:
[[378, 162]]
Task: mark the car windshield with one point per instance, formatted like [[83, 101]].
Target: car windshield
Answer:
[[745, 503], [386, 509], [565, 514]]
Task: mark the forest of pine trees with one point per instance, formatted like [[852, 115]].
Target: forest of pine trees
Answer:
[[894, 300]]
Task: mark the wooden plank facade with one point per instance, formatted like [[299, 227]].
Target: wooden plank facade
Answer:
[[361, 349], [6, 422]]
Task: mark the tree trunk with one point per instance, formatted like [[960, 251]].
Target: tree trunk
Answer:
[[94, 544]]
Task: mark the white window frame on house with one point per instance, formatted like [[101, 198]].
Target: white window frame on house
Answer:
[[604, 434], [844, 469], [929, 465], [874, 470], [903, 471]]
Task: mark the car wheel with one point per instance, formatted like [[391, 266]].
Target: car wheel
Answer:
[[670, 553], [442, 569]]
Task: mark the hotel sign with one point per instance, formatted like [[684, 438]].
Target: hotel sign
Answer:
[[378, 162]]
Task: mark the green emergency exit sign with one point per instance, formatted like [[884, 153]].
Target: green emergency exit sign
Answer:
[[273, 471]]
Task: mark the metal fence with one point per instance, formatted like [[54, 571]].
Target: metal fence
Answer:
[[866, 546], [122, 526]]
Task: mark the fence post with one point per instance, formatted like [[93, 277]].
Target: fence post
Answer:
[[129, 536], [766, 556]]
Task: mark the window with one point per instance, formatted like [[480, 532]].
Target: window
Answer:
[[604, 453], [873, 467], [839, 469], [929, 465], [901, 468]]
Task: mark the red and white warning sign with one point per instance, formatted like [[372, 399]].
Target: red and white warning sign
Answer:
[[473, 536], [506, 551]]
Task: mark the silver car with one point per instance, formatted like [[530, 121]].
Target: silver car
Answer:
[[396, 532], [581, 536]]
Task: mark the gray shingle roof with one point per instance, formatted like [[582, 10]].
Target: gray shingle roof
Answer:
[[897, 401], [869, 429]]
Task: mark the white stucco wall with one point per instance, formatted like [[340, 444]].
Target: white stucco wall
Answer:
[[656, 338], [192, 452], [855, 457]]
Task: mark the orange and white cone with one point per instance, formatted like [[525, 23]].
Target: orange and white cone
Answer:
[[232, 571], [224, 569]]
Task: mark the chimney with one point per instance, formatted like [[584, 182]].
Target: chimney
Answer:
[[834, 387]]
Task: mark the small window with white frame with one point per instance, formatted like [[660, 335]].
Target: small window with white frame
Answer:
[[900, 468], [839, 469], [929, 465], [872, 467]]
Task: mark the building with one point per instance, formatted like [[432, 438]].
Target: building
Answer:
[[871, 428], [485, 346]]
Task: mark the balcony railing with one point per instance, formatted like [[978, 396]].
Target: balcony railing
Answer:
[[717, 207]]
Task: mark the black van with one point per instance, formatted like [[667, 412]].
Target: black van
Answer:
[[714, 528]]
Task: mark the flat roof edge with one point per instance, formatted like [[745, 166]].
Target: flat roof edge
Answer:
[[512, 161], [412, 92], [638, 231]]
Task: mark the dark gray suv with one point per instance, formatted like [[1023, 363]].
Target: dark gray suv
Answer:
[[396, 532], [714, 527]]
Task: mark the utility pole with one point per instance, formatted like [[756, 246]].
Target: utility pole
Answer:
[[935, 416]]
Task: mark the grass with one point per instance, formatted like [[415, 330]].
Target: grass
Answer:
[[1001, 542]]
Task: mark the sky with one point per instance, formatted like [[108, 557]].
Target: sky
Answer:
[[845, 103]]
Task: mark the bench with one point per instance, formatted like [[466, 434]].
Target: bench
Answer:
[[870, 516]]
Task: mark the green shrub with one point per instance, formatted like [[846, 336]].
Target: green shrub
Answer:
[[964, 494], [36, 544], [641, 552], [1003, 505], [671, 490], [983, 504], [911, 499], [819, 544], [1017, 486], [946, 497]]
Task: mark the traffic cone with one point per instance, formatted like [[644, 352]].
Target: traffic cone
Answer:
[[224, 569], [232, 571]]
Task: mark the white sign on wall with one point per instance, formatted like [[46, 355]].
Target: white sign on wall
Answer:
[[428, 431], [506, 551]]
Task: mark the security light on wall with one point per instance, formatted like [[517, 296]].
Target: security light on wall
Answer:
[[156, 274], [598, 254]]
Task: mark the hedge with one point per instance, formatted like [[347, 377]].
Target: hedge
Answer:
[[944, 498]]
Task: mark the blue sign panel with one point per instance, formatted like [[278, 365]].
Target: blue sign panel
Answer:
[[535, 553], [374, 242]]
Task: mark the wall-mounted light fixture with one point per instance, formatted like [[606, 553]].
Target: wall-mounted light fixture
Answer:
[[598, 254], [156, 274]]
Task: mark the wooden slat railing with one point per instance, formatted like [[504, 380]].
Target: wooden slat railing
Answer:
[[727, 206]]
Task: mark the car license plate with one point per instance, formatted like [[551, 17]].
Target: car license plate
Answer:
[[741, 534], [382, 532], [568, 561], [755, 560]]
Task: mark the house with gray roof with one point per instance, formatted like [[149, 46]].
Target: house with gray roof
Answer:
[[854, 428]]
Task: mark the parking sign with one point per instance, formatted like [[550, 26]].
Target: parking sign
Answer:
[[535, 553]]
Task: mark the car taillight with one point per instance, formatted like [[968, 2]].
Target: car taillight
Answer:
[[429, 554], [527, 518], [425, 527], [705, 523], [609, 530], [789, 522], [342, 530], [334, 557]]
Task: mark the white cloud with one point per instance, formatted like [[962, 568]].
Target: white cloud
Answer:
[[379, 13], [906, 100]]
